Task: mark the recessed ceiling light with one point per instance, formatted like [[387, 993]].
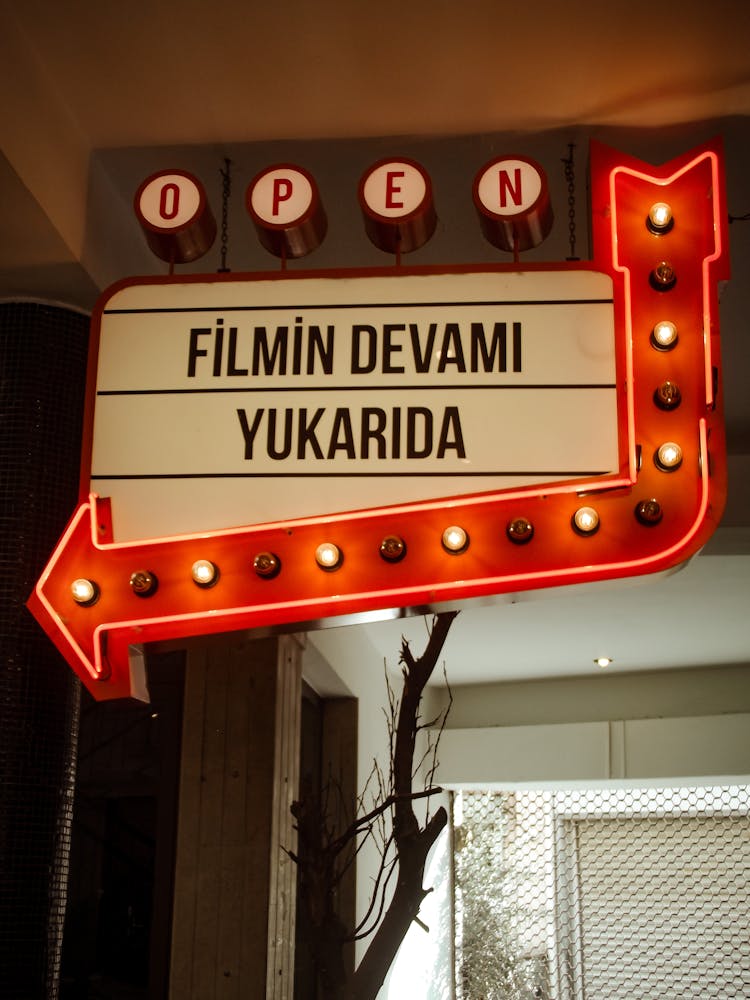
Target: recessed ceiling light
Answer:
[[603, 661]]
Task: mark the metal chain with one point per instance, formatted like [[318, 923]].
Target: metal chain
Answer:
[[226, 190], [570, 177]]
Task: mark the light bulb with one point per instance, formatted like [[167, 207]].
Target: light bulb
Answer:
[[267, 565], [586, 521], [664, 335], [668, 396], [328, 556], [520, 531], [663, 277], [204, 573], [143, 583], [660, 219], [649, 512], [84, 592], [455, 539], [392, 548], [668, 457]]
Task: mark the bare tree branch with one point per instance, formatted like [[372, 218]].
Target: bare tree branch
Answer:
[[377, 894], [413, 844], [323, 857]]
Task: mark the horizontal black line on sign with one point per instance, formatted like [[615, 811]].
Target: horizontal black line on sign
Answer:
[[295, 307], [445, 387], [565, 473]]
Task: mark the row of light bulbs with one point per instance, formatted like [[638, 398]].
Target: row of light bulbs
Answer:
[[660, 221], [329, 556], [667, 396]]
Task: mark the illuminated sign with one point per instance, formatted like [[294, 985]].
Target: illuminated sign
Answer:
[[593, 426], [244, 401]]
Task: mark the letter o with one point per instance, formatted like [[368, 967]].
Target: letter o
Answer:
[[175, 217]]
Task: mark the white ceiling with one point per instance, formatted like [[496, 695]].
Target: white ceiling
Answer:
[[696, 616], [95, 93]]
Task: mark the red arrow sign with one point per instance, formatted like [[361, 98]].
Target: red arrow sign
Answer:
[[653, 513], [96, 637]]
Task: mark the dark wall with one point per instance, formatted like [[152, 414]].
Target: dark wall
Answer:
[[43, 352]]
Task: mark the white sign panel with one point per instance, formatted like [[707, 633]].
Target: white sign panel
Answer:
[[237, 402]]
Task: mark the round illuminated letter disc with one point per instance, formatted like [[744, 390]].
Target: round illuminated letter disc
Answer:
[[175, 217], [512, 199], [286, 210], [508, 187], [394, 189], [169, 200], [281, 196], [396, 201]]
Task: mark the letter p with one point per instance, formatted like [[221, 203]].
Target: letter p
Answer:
[[282, 191]]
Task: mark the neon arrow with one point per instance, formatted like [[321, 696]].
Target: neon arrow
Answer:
[[96, 637]]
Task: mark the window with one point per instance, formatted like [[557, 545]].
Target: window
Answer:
[[605, 893]]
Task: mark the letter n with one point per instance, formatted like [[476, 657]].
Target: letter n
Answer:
[[510, 188]]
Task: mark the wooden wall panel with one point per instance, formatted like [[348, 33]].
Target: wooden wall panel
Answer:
[[282, 890], [234, 883], [187, 861]]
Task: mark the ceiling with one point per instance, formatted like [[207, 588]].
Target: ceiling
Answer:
[[97, 96], [162, 73]]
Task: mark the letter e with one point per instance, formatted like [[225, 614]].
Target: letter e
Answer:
[[392, 189]]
